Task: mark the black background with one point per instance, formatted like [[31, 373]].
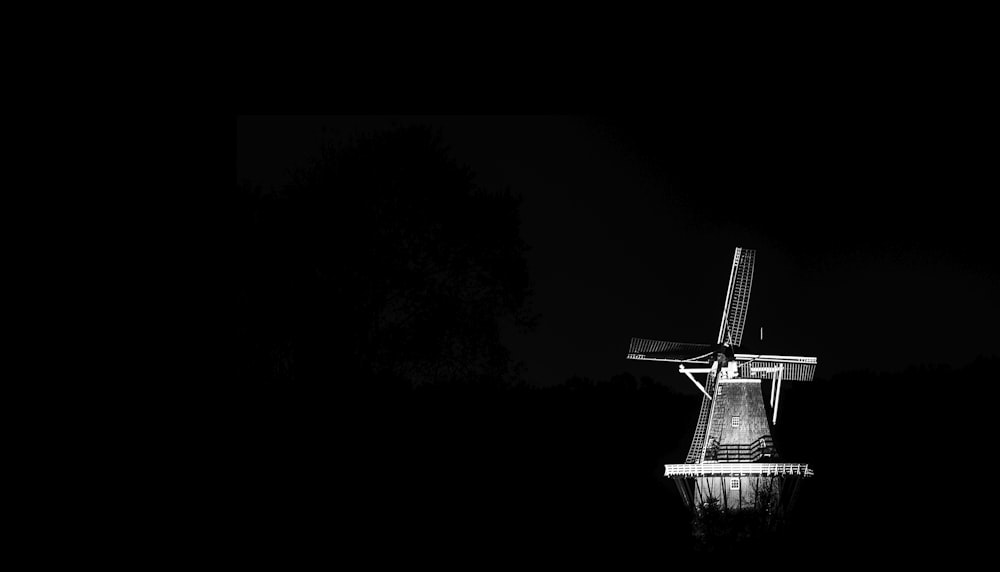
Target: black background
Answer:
[[872, 225]]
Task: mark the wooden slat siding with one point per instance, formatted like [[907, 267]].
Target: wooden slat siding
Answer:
[[725, 443], [746, 497], [738, 453], [763, 448], [743, 400], [715, 418]]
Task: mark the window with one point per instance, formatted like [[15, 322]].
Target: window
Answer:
[[736, 421], [734, 484]]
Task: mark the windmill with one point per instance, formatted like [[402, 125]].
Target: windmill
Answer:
[[732, 457]]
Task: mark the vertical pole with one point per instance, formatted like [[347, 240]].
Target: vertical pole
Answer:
[[774, 384], [741, 493], [685, 494], [756, 492], [724, 491], [795, 492], [777, 397]]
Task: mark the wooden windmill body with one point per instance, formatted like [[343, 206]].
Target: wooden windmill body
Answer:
[[732, 460]]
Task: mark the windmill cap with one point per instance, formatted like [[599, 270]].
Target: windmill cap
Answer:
[[724, 349]]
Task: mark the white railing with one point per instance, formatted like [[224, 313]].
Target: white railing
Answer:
[[735, 469]]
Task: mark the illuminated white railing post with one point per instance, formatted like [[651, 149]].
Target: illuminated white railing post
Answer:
[[774, 385], [777, 397]]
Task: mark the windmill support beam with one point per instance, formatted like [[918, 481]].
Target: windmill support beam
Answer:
[[777, 396], [777, 373], [774, 385], [688, 373]]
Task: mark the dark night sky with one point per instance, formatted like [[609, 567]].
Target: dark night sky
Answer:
[[873, 231]]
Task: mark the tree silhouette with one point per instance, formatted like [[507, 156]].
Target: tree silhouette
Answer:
[[382, 260]]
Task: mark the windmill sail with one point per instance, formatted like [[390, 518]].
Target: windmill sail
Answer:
[[737, 298], [732, 456], [655, 350], [796, 368]]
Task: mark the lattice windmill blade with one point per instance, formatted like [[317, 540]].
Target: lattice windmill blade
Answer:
[[734, 314], [796, 368], [656, 350]]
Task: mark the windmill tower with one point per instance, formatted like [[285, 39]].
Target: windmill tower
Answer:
[[732, 458]]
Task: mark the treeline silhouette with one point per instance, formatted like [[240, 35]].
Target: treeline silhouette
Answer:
[[378, 415], [380, 260], [575, 471]]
